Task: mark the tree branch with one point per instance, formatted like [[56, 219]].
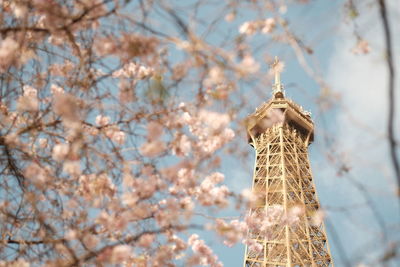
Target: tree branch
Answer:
[[85, 258], [392, 111]]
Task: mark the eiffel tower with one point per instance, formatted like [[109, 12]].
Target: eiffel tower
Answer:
[[280, 132]]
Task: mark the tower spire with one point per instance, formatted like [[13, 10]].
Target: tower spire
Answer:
[[280, 132], [277, 87]]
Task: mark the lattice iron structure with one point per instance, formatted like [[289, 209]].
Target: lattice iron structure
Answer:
[[280, 131]]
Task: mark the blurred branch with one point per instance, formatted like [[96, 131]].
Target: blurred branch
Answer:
[[390, 65], [31, 242], [87, 257]]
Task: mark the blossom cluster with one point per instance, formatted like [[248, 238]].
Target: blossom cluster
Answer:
[[101, 165], [132, 70], [210, 129], [251, 27], [203, 254], [208, 194]]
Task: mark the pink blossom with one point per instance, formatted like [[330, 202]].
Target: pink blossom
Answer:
[[90, 130], [8, 50], [105, 164], [251, 27], [232, 232], [254, 245], [113, 132], [60, 248], [206, 255], [127, 71], [362, 47], [192, 239], [249, 65], [27, 104], [119, 74], [182, 105], [90, 240], [67, 106], [283, 8], [215, 178], [248, 28], [147, 187], [96, 186], [29, 91], [230, 17], [144, 72], [55, 89], [20, 10], [105, 46], [294, 213], [179, 71], [28, 101], [210, 145], [113, 221], [102, 120], [129, 199], [118, 137], [318, 217], [154, 130], [179, 244], [168, 212], [274, 215], [60, 151], [269, 25], [274, 116], [36, 174], [56, 39], [186, 118], [214, 121], [215, 76], [43, 143], [264, 219], [66, 67], [153, 148], [72, 167], [181, 146], [134, 45], [146, 240], [249, 196], [227, 135], [187, 204], [16, 263], [209, 194], [127, 91], [71, 235], [12, 139]]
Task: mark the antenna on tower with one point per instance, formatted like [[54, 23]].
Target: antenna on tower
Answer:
[[277, 88]]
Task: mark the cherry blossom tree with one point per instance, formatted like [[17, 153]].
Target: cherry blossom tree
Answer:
[[114, 117]]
